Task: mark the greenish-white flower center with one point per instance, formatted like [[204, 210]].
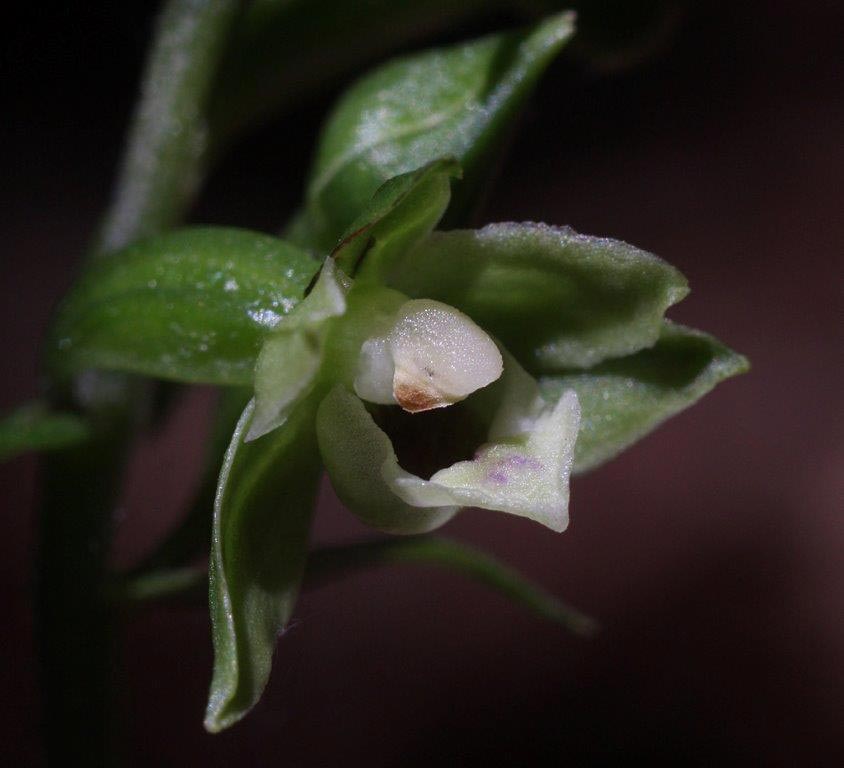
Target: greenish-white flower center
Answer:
[[431, 357]]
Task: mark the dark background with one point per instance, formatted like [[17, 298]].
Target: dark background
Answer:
[[711, 552]]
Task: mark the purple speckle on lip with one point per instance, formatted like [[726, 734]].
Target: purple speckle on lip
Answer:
[[523, 462], [503, 470]]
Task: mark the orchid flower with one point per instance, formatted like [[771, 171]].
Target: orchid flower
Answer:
[[374, 352]]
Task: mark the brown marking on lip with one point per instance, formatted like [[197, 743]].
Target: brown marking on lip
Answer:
[[415, 400]]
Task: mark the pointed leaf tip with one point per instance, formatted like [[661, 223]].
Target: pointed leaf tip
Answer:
[[458, 101]]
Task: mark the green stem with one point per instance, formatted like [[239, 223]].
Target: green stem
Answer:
[[327, 564], [157, 181], [165, 151], [73, 621], [332, 563], [188, 584]]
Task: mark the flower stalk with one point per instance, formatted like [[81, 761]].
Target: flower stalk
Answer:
[[74, 620]]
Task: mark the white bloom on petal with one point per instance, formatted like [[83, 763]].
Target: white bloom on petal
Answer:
[[432, 357]]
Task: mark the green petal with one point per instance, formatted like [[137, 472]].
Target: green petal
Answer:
[[554, 298], [622, 400], [292, 355], [262, 514], [362, 465]]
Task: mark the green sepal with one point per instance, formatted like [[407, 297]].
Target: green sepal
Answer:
[[262, 513], [554, 298], [192, 305], [622, 400], [401, 212], [33, 427], [458, 101], [292, 355]]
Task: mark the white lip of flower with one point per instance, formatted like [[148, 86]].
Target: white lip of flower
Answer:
[[433, 356], [523, 469], [524, 474], [419, 354]]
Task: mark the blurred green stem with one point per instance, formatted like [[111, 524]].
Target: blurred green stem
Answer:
[[333, 563], [329, 563], [160, 170], [165, 149]]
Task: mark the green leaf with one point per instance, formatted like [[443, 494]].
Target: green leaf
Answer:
[[262, 514], [193, 305], [622, 400], [457, 101], [554, 298], [280, 51], [33, 427], [401, 212]]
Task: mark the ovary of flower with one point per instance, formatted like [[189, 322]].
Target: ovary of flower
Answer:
[[431, 357]]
